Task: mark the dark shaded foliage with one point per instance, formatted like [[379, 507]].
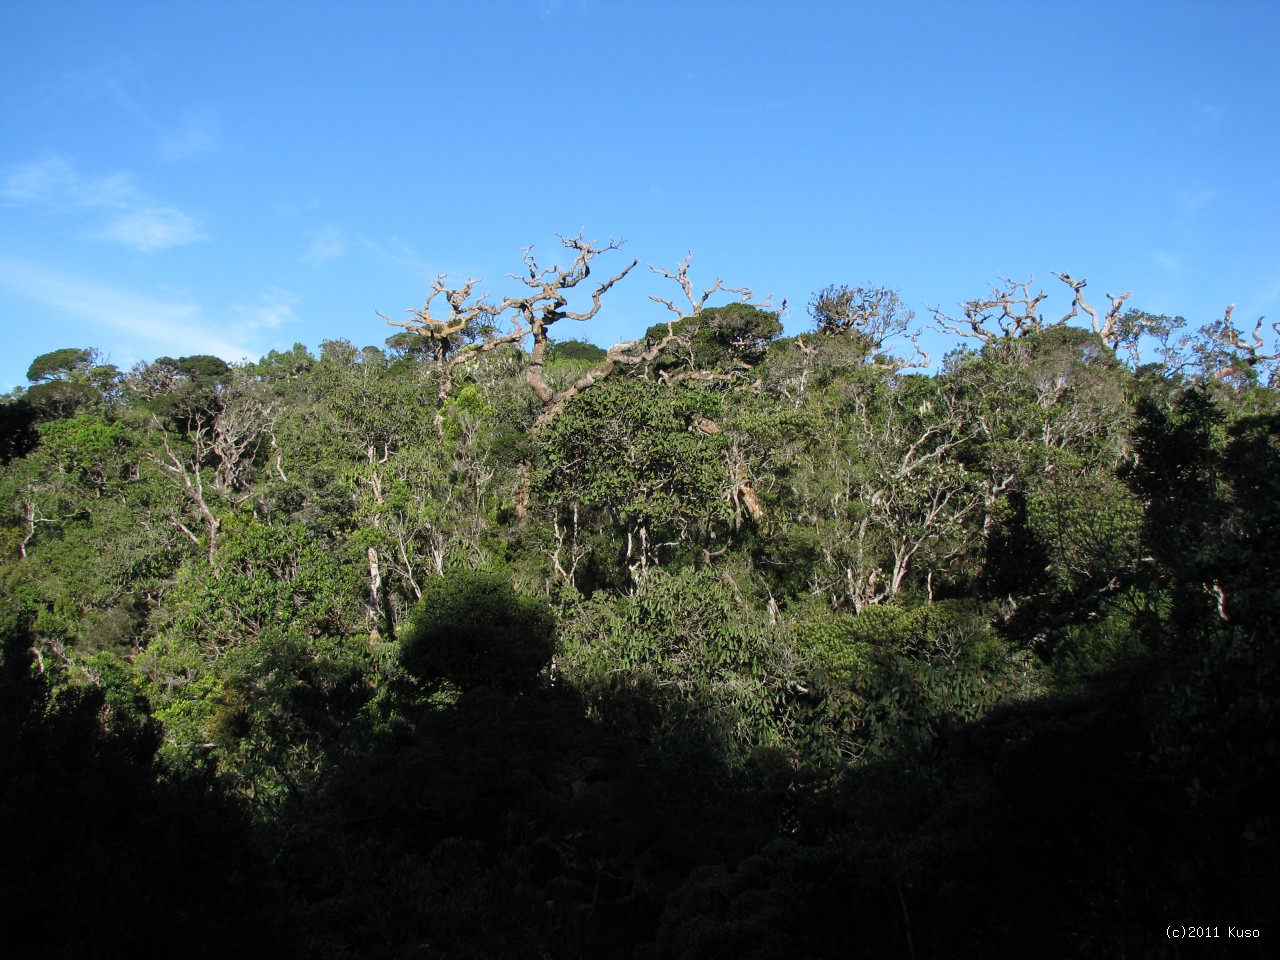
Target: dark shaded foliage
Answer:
[[18, 435], [59, 399], [471, 628], [975, 845], [103, 857]]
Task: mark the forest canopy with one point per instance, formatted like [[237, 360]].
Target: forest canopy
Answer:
[[716, 642]]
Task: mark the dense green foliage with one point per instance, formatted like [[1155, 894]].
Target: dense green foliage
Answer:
[[730, 645]]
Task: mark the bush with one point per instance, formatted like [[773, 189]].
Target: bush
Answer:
[[471, 628]]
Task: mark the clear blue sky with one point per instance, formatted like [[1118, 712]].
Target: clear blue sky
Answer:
[[234, 177]]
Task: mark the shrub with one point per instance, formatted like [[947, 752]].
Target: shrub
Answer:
[[471, 628]]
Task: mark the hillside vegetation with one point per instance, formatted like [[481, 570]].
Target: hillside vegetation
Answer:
[[718, 643]]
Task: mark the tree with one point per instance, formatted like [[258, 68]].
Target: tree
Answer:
[[1222, 353], [69, 363], [686, 657], [17, 430], [714, 344], [68, 381], [185, 393], [633, 450], [881, 486], [870, 316], [1011, 310], [249, 663], [1117, 330], [1038, 404], [580, 350], [89, 551], [472, 325]]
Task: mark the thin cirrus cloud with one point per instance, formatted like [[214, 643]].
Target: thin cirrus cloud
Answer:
[[324, 244], [1194, 199], [273, 308], [142, 327], [152, 229], [197, 135], [123, 213]]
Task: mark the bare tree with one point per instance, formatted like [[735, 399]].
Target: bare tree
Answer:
[[533, 315], [463, 322], [634, 353], [1010, 311], [33, 514], [184, 472], [890, 490], [470, 325], [1225, 354], [1111, 328], [697, 303], [247, 415]]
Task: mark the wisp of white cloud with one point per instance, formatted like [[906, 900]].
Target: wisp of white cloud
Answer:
[[1192, 200], [273, 308], [401, 255], [325, 244], [53, 182], [149, 327], [136, 220], [154, 228], [198, 135]]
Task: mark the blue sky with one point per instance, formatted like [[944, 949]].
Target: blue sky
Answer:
[[235, 177]]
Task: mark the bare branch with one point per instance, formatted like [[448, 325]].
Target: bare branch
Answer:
[[1251, 349], [599, 292], [1007, 312], [976, 325], [618, 356], [186, 475], [1077, 301], [919, 360], [696, 303], [532, 315], [445, 335], [545, 303], [1110, 328], [545, 307], [1241, 355]]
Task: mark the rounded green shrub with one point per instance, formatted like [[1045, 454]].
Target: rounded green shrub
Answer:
[[473, 629]]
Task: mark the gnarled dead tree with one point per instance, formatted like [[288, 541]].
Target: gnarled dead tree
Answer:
[[444, 336], [469, 325], [1225, 354], [696, 303], [1111, 328], [629, 354], [1007, 312], [682, 329], [633, 354], [548, 302], [464, 320], [472, 325]]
